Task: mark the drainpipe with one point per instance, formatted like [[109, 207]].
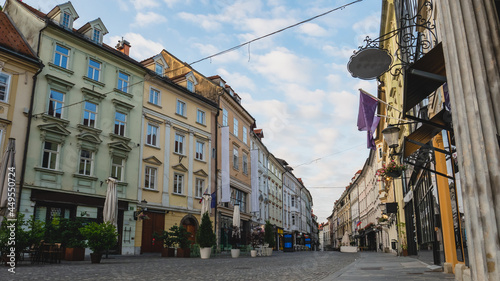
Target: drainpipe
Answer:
[[30, 116], [216, 161]]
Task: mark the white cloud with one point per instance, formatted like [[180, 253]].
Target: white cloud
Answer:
[[141, 49], [143, 4], [144, 19], [208, 22], [343, 53], [281, 65], [239, 82], [312, 29], [171, 3]]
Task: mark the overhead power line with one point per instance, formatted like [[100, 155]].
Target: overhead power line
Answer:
[[320, 158]]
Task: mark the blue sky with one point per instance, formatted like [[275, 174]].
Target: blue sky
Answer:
[[295, 83]]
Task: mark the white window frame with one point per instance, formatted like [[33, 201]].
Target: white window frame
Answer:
[[123, 84], [120, 123], [178, 183], [64, 18], [159, 68], [150, 177], [245, 133], [180, 108], [235, 127], [116, 167], [245, 163], [94, 71], [199, 185], [200, 151], [86, 161], [60, 55], [55, 103], [51, 154], [201, 117], [236, 159], [90, 113], [6, 86], [179, 139], [96, 35], [154, 96], [154, 131], [190, 85], [224, 117]]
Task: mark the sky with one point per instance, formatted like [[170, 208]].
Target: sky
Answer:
[[294, 83]]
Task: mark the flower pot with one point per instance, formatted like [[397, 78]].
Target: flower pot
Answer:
[[235, 253], [269, 251], [74, 254], [95, 257], [394, 174], [168, 252], [183, 253], [253, 253], [405, 252], [205, 252]]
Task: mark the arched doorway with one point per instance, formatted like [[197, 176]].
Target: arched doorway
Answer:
[[191, 224]]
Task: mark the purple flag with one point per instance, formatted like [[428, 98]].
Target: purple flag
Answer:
[[367, 107], [371, 141]]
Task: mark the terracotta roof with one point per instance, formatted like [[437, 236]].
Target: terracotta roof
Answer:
[[11, 39], [33, 10]]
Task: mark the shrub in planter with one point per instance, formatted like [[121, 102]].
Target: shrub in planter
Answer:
[[100, 237], [26, 233], [181, 238], [205, 236], [168, 243], [269, 234], [72, 239]]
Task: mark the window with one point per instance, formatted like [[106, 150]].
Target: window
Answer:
[[179, 144], [96, 37], [61, 56], [85, 167], [200, 117], [245, 164], [293, 201], [120, 122], [123, 82], [89, 114], [293, 220], [94, 70], [200, 147], [4, 87], [235, 127], [159, 69], [239, 197], [245, 133], [178, 183], [50, 156], [190, 86], [117, 167], [200, 183], [154, 96], [56, 102], [150, 178], [224, 117], [152, 136], [235, 158], [65, 20], [181, 108]]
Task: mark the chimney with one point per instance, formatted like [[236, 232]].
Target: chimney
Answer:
[[123, 46]]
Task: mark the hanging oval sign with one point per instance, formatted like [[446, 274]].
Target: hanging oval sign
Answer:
[[369, 63]]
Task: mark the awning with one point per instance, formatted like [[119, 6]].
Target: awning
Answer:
[[424, 77], [424, 133]]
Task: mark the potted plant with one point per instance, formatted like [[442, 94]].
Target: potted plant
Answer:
[[269, 237], [235, 241], [72, 239], [256, 239], [99, 236], [391, 170], [205, 236], [24, 234], [168, 243], [181, 238]]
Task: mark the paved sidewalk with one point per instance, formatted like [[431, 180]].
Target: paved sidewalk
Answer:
[[382, 267]]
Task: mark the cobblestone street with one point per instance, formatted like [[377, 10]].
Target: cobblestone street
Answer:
[[280, 266]]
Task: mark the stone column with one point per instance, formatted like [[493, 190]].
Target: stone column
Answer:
[[470, 36]]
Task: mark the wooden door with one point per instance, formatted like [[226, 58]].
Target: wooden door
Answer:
[[156, 223], [191, 229]]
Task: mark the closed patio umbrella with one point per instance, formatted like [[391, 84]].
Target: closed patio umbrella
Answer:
[[7, 174], [205, 203], [236, 218], [110, 211]]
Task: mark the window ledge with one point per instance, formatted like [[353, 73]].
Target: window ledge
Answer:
[[123, 93], [149, 189], [82, 127], [49, 118], [50, 171], [180, 115], [200, 160], [60, 68], [94, 82], [153, 146], [178, 194], [115, 136], [154, 104], [201, 124], [85, 177]]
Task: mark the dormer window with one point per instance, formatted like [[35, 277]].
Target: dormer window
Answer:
[[66, 20], [159, 69], [190, 86], [191, 82], [97, 36]]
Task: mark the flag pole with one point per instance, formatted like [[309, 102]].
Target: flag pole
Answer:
[[375, 98]]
